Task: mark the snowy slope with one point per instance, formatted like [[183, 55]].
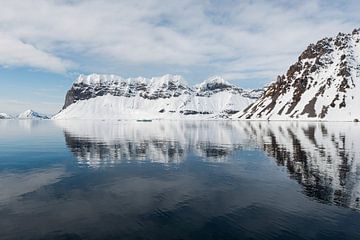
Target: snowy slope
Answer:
[[30, 114], [5, 116], [323, 85], [168, 97]]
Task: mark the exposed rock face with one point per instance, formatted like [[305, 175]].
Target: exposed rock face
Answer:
[[168, 96], [218, 84], [324, 84], [94, 85]]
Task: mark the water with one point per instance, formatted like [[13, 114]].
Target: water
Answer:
[[179, 180]]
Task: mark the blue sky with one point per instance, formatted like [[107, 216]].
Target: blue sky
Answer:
[[44, 45]]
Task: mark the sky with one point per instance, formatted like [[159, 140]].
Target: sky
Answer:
[[46, 44]]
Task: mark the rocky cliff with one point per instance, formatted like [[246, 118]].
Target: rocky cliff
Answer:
[[324, 84], [112, 97]]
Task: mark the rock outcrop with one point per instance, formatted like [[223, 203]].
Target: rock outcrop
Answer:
[[112, 97], [324, 84]]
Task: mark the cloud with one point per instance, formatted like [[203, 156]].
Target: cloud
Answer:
[[225, 37], [26, 182], [13, 52]]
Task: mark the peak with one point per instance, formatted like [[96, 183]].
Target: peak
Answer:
[[321, 85], [166, 79], [217, 79], [29, 111], [356, 31], [31, 114], [327, 45], [95, 78], [212, 83]]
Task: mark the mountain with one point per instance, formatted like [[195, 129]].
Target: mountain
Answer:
[[324, 84], [30, 114], [5, 116], [99, 96]]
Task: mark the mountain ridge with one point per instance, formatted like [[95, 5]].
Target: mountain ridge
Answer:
[[323, 85], [167, 96]]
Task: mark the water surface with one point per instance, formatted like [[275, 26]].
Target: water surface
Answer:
[[179, 180]]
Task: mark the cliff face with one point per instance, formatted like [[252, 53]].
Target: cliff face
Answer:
[[109, 96], [324, 84], [94, 85]]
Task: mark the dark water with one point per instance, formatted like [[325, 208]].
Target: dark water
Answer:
[[179, 180]]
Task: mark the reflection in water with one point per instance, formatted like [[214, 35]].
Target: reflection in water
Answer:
[[178, 180], [98, 144], [323, 158], [26, 182]]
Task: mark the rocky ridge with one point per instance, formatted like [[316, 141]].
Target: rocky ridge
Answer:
[[324, 84], [168, 96]]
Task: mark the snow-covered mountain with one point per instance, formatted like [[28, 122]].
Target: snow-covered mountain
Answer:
[[30, 114], [99, 96], [324, 84], [5, 116]]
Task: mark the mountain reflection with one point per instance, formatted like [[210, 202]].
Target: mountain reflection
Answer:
[[98, 143], [322, 157]]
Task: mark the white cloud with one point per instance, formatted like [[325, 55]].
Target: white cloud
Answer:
[[261, 38], [13, 52], [27, 181]]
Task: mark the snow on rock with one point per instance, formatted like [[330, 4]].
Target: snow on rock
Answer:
[[215, 83], [30, 114], [99, 96], [5, 116], [323, 85]]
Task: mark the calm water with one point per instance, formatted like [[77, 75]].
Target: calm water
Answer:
[[179, 180]]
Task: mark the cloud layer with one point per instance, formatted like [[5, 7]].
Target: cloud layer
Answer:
[[238, 39]]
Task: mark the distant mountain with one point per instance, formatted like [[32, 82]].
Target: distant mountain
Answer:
[[324, 84], [30, 114], [5, 116], [99, 96]]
